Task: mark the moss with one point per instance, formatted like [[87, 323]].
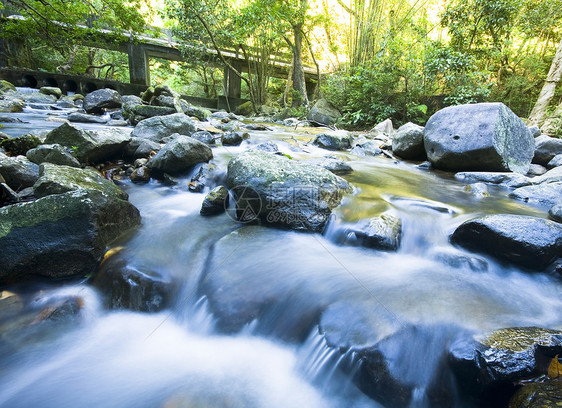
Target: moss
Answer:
[[519, 339]]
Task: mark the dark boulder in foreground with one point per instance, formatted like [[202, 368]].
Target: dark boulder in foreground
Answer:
[[61, 235], [488, 366], [483, 136], [283, 192], [522, 240]]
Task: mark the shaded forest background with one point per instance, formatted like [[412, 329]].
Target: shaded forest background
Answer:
[[398, 59]]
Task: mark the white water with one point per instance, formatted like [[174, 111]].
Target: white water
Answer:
[[178, 358]]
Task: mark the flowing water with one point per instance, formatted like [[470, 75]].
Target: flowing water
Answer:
[[242, 328]]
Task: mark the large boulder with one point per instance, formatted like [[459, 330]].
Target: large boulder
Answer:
[[98, 101], [55, 179], [61, 235], [18, 172], [52, 153], [21, 144], [89, 147], [526, 241], [487, 366], [538, 395], [324, 113], [483, 136], [160, 127], [546, 194], [179, 155], [407, 143], [283, 192], [546, 148]]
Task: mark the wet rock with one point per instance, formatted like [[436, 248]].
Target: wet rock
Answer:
[[234, 138], [141, 112], [483, 136], [126, 286], [338, 140], [18, 172], [334, 165], [368, 148], [487, 366], [215, 202], [479, 190], [385, 128], [55, 179], [551, 176], [546, 148], [6, 86], [97, 102], [52, 153], [140, 175], [268, 146], [555, 212], [545, 394], [323, 113], [86, 118], [197, 112], [535, 131], [544, 194], [37, 98], [459, 260], [393, 371], [383, 232], [284, 192], [536, 170], [523, 240], [51, 90], [513, 180], [160, 127], [11, 105], [7, 195], [21, 144], [138, 148], [408, 143], [90, 147], [201, 178], [245, 109], [61, 235], [555, 162], [204, 137], [179, 155]]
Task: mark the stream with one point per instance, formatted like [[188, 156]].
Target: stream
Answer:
[[187, 355]]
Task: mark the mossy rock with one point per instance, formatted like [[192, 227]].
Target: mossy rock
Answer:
[[21, 144]]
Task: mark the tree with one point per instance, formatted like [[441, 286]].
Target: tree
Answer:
[[538, 113], [61, 23]]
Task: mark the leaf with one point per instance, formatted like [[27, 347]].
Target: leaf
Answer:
[[555, 368]]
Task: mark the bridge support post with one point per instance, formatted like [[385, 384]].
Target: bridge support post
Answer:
[[232, 82], [139, 71]]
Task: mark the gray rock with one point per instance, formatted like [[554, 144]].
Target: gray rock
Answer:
[[7, 195], [160, 127], [385, 128], [204, 137], [197, 112], [179, 155], [338, 140], [150, 111], [6, 87], [324, 113], [52, 153], [141, 148], [39, 98], [205, 175], [215, 202], [268, 146], [479, 190], [234, 138], [483, 363], [51, 90], [551, 176], [126, 286], [369, 148], [62, 235], [544, 194], [526, 241], [283, 192], [536, 170], [18, 172], [334, 165], [503, 178], [11, 103], [54, 179], [140, 175], [555, 162], [546, 148], [98, 101], [21, 144], [383, 232], [86, 118], [555, 212], [483, 136], [408, 144], [535, 131], [129, 101], [91, 146]]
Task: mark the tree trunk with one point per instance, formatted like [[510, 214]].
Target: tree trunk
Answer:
[[538, 114], [299, 85]]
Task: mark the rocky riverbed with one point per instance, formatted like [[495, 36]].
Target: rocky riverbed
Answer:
[[397, 267]]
